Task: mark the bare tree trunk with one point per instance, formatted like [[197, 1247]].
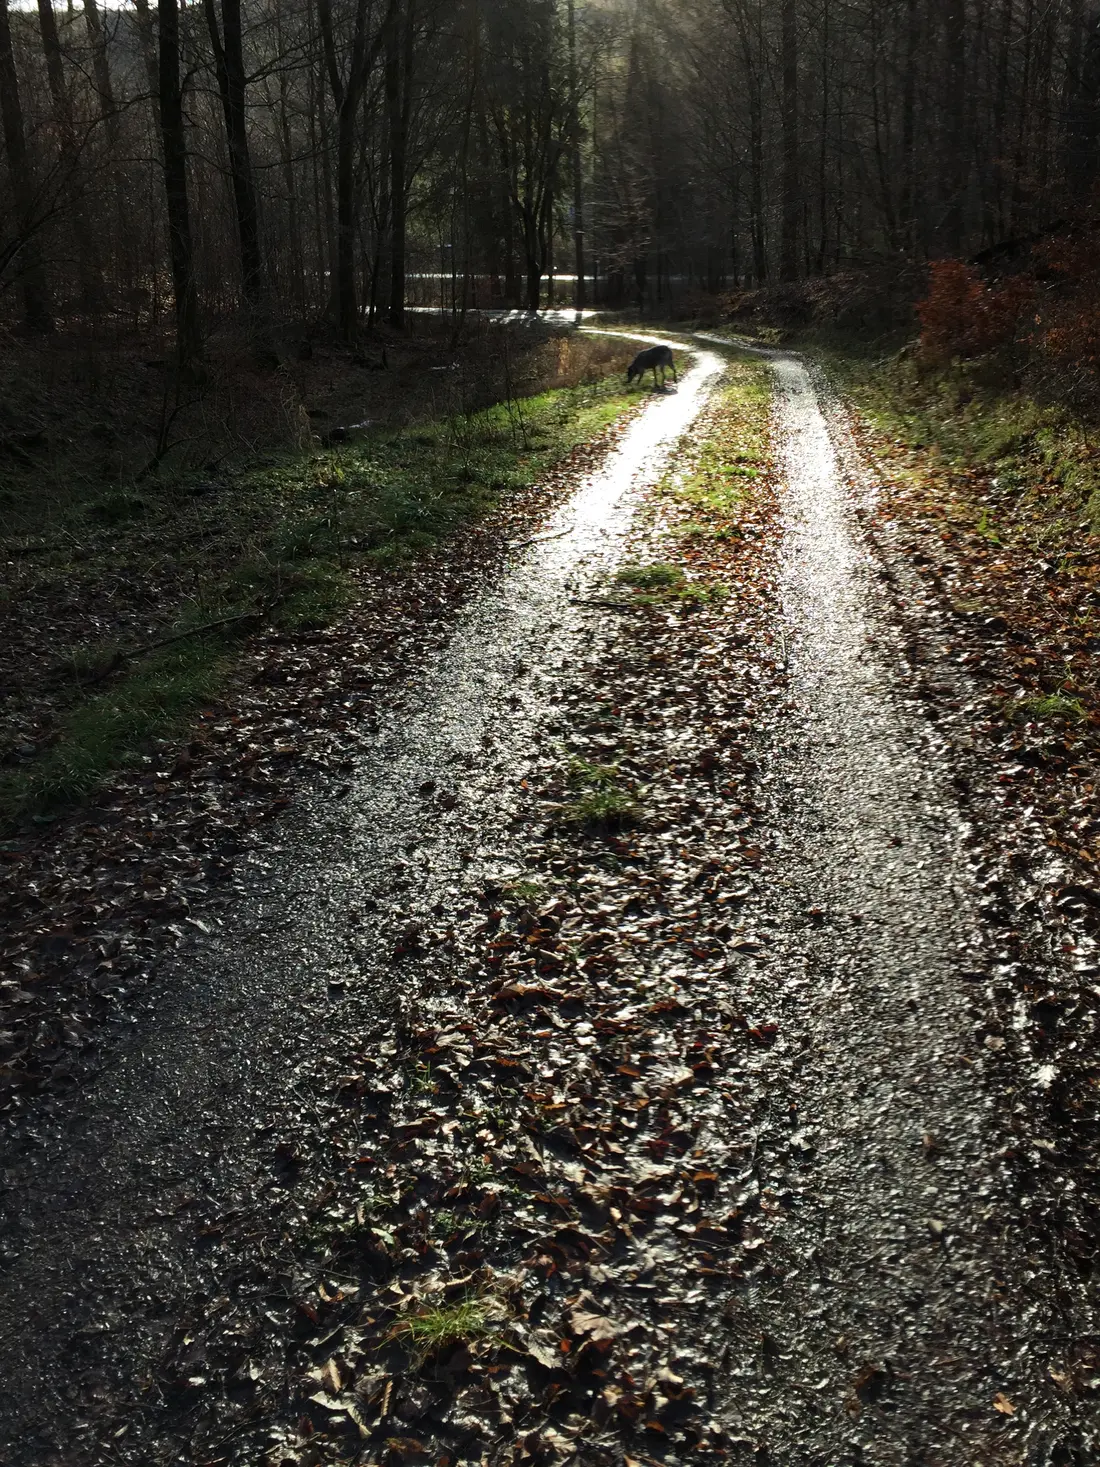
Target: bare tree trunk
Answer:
[[1043, 64], [293, 204], [788, 244], [908, 125], [174, 143], [347, 94], [750, 42], [229, 68], [23, 251], [101, 70], [953, 170], [580, 296], [398, 83], [756, 195], [148, 41], [91, 276], [1083, 109]]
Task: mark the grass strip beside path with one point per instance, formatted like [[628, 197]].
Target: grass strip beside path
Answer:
[[293, 542]]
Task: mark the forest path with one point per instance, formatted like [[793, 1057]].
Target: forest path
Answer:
[[104, 1193], [699, 1123]]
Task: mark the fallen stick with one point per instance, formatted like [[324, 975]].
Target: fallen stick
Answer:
[[206, 626], [128, 654]]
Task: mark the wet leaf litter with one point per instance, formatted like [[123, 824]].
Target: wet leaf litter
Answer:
[[91, 904], [562, 1209], [995, 636], [578, 1200]]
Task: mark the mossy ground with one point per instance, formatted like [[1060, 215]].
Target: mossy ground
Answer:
[[285, 540], [717, 473], [973, 418]]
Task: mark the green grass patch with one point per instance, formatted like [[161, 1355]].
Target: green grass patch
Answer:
[[659, 577], [1043, 457], [1052, 708], [716, 478], [601, 801], [113, 728], [523, 892], [656, 585], [430, 1332], [281, 541]]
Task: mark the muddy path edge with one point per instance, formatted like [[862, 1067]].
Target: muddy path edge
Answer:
[[950, 1294]]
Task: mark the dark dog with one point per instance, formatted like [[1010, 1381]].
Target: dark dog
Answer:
[[653, 356]]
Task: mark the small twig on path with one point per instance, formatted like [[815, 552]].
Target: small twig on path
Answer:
[[593, 601], [783, 644], [537, 539]]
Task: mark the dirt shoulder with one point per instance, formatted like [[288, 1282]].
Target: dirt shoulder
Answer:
[[990, 576]]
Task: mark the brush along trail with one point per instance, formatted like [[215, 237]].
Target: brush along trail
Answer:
[[596, 1081]]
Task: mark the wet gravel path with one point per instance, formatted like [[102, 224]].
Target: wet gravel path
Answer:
[[904, 1277], [182, 1127], [882, 1310]]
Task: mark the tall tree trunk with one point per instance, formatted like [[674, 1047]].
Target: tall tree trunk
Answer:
[[147, 39], [174, 145], [293, 203], [532, 252], [37, 316], [88, 266], [822, 146], [400, 49], [580, 294], [347, 93], [908, 125], [1024, 107], [101, 70], [996, 207], [1043, 65], [756, 188], [1083, 110], [788, 243], [751, 45], [953, 169], [229, 67]]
